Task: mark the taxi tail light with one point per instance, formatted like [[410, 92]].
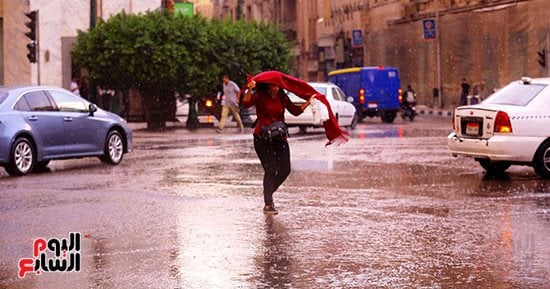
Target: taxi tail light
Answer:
[[362, 96], [502, 123], [454, 121]]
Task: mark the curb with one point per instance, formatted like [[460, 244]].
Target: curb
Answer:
[[435, 112]]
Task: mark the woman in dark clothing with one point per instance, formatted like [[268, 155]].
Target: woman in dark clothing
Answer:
[[271, 102]]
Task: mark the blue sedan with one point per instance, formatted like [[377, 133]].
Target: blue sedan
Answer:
[[40, 123]]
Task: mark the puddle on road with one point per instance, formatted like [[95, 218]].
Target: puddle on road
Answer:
[[374, 222], [358, 216]]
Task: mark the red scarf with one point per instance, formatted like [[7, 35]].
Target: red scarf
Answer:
[[299, 87]]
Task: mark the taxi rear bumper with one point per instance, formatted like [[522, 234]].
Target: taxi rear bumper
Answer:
[[497, 148]]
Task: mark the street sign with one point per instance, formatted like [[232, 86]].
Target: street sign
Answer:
[[183, 8], [357, 38], [429, 29]]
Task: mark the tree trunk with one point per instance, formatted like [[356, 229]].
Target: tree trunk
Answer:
[[192, 117], [156, 111]]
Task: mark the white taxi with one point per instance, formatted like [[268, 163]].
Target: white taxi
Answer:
[[317, 113], [512, 126]]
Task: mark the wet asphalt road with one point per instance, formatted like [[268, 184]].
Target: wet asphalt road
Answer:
[[389, 209]]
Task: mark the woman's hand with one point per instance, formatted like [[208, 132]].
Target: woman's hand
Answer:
[[248, 93], [308, 102]]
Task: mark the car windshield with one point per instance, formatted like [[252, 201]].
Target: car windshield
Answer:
[[294, 98], [321, 89], [516, 93]]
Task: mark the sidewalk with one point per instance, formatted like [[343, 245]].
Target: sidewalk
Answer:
[[424, 110], [143, 125], [206, 122], [204, 125]]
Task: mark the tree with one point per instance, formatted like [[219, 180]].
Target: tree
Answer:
[[249, 47], [133, 51], [159, 53]]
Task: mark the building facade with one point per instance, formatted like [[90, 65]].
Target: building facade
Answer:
[[488, 42], [58, 25]]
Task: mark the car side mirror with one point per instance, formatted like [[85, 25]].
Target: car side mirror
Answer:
[[92, 108], [349, 99]]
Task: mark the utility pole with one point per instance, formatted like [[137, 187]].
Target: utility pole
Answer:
[[547, 54], [438, 54], [544, 56], [93, 13]]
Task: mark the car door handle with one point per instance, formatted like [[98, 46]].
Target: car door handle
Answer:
[[67, 118], [33, 118]]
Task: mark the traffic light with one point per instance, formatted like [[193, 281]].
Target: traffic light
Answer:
[[542, 57], [32, 52], [32, 25], [32, 35]]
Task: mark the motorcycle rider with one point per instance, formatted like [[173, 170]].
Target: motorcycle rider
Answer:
[[409, 102], [410, 96]]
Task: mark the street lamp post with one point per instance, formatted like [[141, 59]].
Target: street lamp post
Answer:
[[438, 54]]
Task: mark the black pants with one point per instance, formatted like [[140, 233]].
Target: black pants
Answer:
[[275, 159]]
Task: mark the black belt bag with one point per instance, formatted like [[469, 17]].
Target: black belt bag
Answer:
[[275, 131]]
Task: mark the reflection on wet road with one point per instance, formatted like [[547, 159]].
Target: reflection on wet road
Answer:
[[390, 209]]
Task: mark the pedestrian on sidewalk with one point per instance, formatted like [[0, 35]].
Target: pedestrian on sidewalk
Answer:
[[465, 91], [84, 88], [230, 103], [74, 86], [270, 134], [105, 95]]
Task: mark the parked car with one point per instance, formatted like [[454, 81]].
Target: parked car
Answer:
[[317, 113], [40, 123], [512, 126], [375, 90], [210, 107], [207, 108]]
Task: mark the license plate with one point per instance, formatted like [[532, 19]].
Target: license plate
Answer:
[[472, 128], [373, 105]]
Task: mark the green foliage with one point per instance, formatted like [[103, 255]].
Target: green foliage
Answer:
[[159, 53], [249, 47]]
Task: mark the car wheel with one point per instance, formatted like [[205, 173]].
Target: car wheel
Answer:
[[22, 158], [362, 116], [494, 167], [411, 117], [541, 161], [388, 116], [114, 148], [354, 121]]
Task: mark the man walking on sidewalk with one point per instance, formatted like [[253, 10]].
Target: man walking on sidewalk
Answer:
[[230, 103]]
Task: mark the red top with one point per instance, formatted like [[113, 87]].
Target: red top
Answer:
[[269, 109], [302, 89]]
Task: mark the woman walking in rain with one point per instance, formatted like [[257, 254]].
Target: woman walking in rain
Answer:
[[270, 133]]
